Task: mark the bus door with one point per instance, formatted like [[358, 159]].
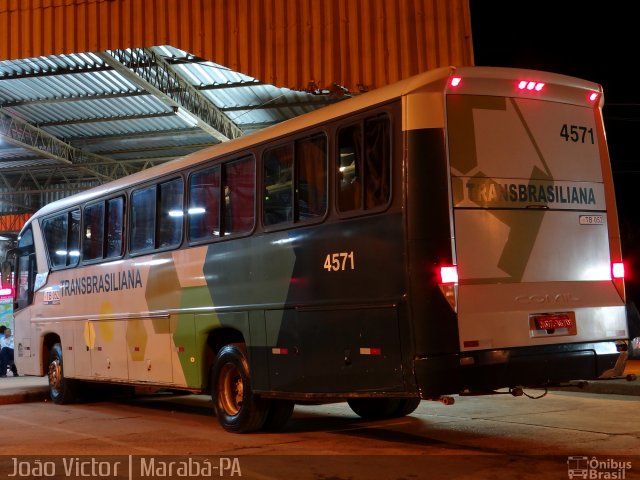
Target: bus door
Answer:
[[26, 275], [531, 216]]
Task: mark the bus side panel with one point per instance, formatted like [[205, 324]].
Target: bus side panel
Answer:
[[82, 339], [429, 236], [27, 344], [313, 282], [351, 350], [109, 350]]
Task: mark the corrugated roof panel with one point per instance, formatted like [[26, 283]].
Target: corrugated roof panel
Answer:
[[28, 163], [288, 43], [92, 109], [117, 127], [225, 96], [78, 84], [150, 140]]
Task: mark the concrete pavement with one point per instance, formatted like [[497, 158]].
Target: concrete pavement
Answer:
[[23, 389], [35, 389]]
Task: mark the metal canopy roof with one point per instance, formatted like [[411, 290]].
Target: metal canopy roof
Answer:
[[71, 122]]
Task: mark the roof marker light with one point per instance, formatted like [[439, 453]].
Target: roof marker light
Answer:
[[530, 85], [455, 81], [593, 96]]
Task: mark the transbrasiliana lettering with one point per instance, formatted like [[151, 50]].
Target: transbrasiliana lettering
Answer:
[[108, 282], [529, 193]]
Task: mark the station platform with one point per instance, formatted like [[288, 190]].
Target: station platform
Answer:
[[23, 389]]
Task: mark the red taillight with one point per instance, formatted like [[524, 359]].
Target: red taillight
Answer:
[[455, 81], [449, 284], [449, 275], [593, 96], [617, 270]]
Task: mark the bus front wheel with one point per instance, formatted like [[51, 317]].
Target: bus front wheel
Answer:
[[237, 408], [61, 389]]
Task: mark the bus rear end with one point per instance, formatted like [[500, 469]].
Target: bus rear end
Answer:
[[535, 276]]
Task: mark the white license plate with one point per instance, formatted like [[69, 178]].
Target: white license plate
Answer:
[[591, 220]]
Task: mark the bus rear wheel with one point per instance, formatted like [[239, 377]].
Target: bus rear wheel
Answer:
[[237, 408], [377, 408], [279, 414], [61, 389]]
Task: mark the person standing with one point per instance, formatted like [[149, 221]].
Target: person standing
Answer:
[[6, 354]]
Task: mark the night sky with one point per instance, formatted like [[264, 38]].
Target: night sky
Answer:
[[598, 44]]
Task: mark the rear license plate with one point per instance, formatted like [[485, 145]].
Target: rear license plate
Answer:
[[553, 321]]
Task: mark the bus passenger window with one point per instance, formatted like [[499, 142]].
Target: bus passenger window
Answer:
[[115, 224], [311, 177], [204, 204], [73, 243], [239, 196], [142, 219], [364, 165], [377, 149], [93, 234], [349, 168], [278, 195], [62, 235], [171, 214]]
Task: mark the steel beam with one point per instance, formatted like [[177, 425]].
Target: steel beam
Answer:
[[154, 74], [16, 131]]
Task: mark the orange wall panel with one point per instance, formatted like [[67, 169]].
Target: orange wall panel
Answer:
[[290, 43]]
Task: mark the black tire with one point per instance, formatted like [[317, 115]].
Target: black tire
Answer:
[[377, 408], [406, 407], [61, 389], [237, 408], [374, 408], [279, 414]]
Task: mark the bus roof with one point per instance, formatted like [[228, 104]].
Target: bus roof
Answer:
[[433, 78]]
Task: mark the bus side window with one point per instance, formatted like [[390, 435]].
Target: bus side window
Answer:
[[171, 213], [349, 168], [377, 154], [364, 164], [278, 201], [311, 177], [142, 219], [114, 227], [93, 234], [239, 190], [73, 242], [62, 236], [204, 204]]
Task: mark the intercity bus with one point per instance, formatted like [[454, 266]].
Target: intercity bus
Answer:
[[454, 233]]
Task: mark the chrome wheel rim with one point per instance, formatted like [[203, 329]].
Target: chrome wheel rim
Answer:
[[230, 389], [55, 375]]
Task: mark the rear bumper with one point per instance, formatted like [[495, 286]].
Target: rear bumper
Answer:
[[487, 370]]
